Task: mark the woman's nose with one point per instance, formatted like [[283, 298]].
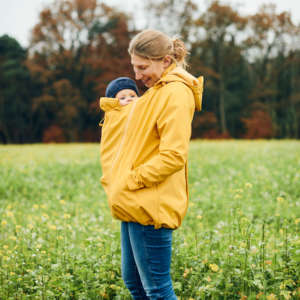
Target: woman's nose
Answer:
[[138, 75]]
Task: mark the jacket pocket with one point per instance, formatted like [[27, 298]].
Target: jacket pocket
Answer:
[[140, 206], [148, 202]]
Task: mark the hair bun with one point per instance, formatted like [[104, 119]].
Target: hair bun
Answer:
[[179, 50]]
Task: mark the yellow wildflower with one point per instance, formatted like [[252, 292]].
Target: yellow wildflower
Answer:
[[271, 297], [18, 227], [63, 202], [30, 226], [243, 245], [35, 206], [4, 222], [186, 272], [104, 295], [52, 227], [237, 196], [248, 185], [9, 213], [297, 221], [259, 295], [208, 279], [280, 199], [67, 216], [43, 252], [199, 217], [5, 247], [214, 267], [12, 237], [12, 273], [60, 237]]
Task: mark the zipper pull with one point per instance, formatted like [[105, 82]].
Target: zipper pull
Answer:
[[101, 122]]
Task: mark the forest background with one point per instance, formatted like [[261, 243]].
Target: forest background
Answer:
[[49, 92]]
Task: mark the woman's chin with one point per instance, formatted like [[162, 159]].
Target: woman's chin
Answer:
[[149, 84]]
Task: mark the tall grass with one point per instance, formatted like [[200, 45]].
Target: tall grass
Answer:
[[239, 240]]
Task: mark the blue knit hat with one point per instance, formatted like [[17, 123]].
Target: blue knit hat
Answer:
[[118, 84]]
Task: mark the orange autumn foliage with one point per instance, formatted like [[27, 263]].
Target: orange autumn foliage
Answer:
[[53, 134], [205, 125], [258, 125]]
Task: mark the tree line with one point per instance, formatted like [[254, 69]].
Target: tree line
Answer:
[[49, 92]]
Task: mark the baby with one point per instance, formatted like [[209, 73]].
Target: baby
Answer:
[[122, 88], [119, 93]]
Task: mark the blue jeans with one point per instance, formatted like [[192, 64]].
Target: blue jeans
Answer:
[[146, 260]]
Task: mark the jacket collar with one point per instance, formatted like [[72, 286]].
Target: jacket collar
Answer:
[[164, 74], [176, 73]]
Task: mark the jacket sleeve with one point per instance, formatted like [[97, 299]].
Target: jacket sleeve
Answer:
[[174, 128], [107, 104]]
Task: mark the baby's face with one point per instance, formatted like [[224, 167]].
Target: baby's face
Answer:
[[126, 96]]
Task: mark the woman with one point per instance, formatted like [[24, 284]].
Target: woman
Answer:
[[146, 177]]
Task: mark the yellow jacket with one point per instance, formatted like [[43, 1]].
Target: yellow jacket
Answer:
[[144, 148]]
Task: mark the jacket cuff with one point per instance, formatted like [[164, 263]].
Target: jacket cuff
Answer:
[[107, 104], [133, 183]]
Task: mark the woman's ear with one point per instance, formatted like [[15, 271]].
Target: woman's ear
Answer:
[[167, 61]]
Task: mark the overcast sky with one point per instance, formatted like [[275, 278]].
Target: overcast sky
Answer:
[[17, 17]]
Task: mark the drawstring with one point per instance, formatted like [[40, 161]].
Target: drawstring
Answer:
[[101, 122]]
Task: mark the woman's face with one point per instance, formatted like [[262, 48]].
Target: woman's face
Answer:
[[149, 71]]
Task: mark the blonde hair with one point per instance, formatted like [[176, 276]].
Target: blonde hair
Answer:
[[155, 45]]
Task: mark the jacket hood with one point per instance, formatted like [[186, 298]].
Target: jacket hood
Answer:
[[175, 73]]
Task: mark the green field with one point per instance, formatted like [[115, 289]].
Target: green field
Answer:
[[239, 240]]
